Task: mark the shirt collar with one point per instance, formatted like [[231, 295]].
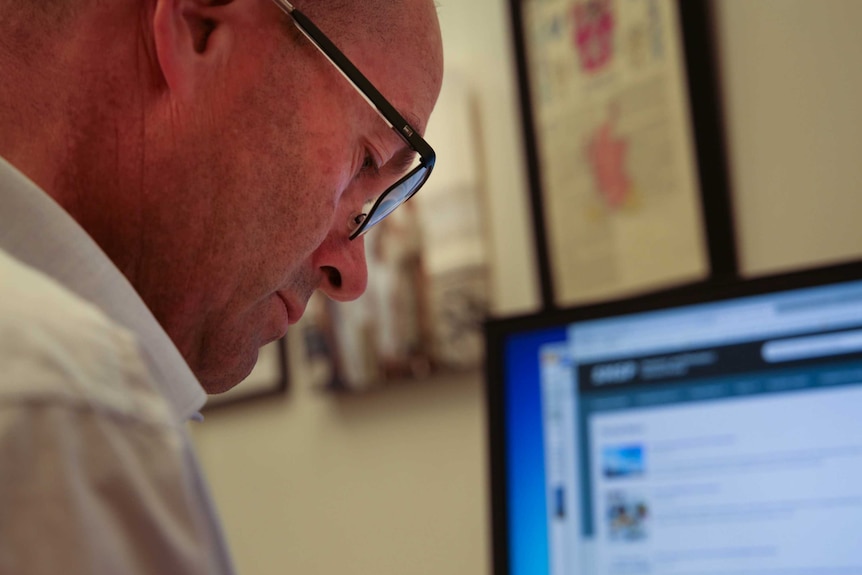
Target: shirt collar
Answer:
[[37, 231]]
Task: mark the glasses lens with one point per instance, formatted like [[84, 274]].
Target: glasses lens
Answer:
[[402, 191]]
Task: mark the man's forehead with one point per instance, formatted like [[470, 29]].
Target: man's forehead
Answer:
[[409, 76]]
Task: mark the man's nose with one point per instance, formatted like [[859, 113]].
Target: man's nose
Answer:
[[343, 267]]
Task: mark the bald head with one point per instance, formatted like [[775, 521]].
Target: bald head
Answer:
[[377, 30], [383, 24], [218, 164]]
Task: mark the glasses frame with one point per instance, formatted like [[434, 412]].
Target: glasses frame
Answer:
[[427, 156]]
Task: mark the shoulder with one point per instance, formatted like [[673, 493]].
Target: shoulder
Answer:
[[92, 460], [55, 346]]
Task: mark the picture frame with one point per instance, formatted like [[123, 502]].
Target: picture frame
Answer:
[[623, 138], [268, 380]]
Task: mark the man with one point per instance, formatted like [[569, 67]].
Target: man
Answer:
[[176, 178]]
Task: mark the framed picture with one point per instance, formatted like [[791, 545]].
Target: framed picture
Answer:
[[268, 380], [624, 146]]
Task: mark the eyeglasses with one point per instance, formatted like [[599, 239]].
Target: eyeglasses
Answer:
[[375, 210]]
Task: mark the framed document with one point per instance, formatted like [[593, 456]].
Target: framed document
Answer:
[[624, 146]]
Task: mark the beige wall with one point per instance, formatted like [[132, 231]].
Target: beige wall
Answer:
[[792, 79], [395, 482]]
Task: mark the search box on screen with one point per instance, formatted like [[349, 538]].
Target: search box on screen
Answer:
[[812, 346]]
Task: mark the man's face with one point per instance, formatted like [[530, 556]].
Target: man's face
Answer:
[[254, 203]]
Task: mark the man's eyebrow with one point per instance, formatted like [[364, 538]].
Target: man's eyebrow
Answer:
[[401, 161]]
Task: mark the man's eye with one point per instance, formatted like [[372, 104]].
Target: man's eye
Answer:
[[369, 166], [357, 221]]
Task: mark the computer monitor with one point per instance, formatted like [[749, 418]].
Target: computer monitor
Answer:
[[707, 430]]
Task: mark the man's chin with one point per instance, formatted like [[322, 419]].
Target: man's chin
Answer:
[[219, 376]]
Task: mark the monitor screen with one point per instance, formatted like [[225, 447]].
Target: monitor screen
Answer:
[[703, 431]]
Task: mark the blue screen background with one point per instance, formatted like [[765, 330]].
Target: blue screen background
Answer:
[[525, 462]]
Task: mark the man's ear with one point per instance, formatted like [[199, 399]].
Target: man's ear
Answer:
[[190, 38]]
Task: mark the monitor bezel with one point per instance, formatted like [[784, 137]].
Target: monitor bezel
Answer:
[[498, 329]]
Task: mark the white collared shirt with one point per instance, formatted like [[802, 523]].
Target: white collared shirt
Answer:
[[97, 472]]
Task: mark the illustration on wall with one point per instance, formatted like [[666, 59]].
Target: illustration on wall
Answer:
[[613, 151]]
